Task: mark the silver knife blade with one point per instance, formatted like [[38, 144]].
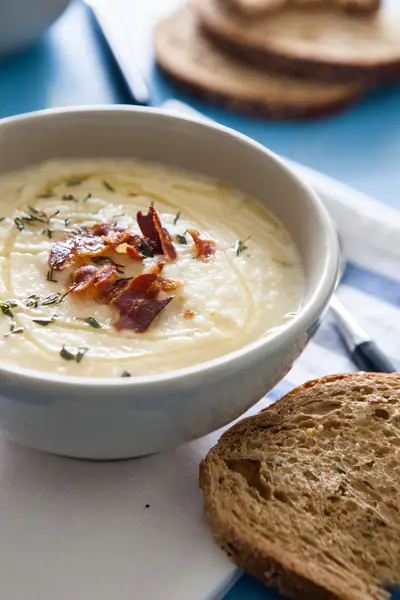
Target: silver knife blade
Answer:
[[127, 26]]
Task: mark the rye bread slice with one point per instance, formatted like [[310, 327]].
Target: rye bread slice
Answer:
[[306, 495], [255, 8], [195, 64], [320, 43]]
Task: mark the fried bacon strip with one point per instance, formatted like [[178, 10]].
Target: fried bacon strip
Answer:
[[99, 238], [205, 248], [138, 303], [157, 237], [167, 285], [63, 253], [86, 277], [137, 300]]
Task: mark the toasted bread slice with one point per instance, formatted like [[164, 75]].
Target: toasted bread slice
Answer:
[[192, 61], [306, 495], [320, 43], [255, 8]]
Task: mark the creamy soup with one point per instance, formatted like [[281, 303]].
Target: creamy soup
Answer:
[[233, 274]]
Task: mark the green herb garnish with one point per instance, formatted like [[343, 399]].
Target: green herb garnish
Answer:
[[118, 281], [7, 306], [69, 198], [90, 321], [44, 322], [49, 275], [282, 262], [108, 186], [77, 356], [178, 214], [45, 195], [14, 329], [75, 182], [87, 197], [32, 219], [145, 249], [52, 299], [36, 211], [67, 221], [2, 219], [51, 216], [19, 224], [240, 245], [57, 297], [32, 301], [106, 260], [181, 239]]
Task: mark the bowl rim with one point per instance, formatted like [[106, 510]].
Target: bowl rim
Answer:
[[304, 319]]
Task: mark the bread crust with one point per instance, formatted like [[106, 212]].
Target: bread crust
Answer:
[[263, 557], [256, 9]]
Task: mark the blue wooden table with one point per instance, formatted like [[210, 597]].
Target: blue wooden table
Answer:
[[69, 67]]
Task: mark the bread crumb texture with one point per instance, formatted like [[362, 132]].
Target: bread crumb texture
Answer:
[[306, 495]]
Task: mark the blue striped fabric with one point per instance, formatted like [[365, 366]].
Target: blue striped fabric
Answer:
[[382, 290]]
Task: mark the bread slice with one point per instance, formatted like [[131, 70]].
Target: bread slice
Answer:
[[255, 8], [194, 63], [321, 43], [306, 495]]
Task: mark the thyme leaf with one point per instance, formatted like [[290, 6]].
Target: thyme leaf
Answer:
[[240, 245], [70, 355], [181, 239], [44, 322], [69, 198], [7, 306], [90, 321], [108, 186], [32, 301], [14, 329], [49, 275], [75, 182], [178, 214], [121, 279], [106, 260], [145, 249]]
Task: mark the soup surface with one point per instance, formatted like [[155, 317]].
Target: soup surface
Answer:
[[201, 271]]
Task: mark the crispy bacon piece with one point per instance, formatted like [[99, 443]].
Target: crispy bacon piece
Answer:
[[137, 300], [167, 285], [205, 248], [94, 241], [138, 303], [157, 237], [63, 253], [90, 276]]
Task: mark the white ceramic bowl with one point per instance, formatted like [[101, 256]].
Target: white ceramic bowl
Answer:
[[23, 21], [117, 418]]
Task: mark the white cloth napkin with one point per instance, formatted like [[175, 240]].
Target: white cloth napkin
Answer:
[[134, 530]]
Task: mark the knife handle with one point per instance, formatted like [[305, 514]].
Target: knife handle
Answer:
[[368, 357]]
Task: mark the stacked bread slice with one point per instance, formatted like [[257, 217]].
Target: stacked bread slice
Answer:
[[281, 58]]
